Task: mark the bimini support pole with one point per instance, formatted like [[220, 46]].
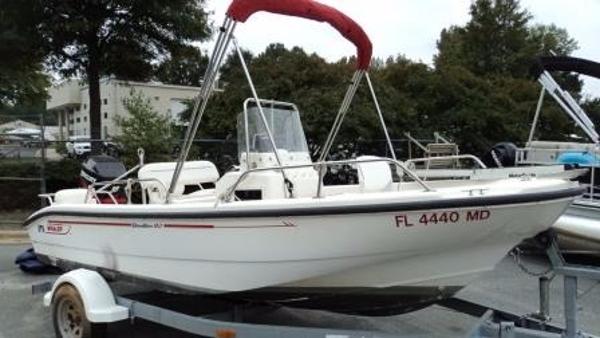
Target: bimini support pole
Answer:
[[536, 117], [350, 93], [566, 101], [380, 114], [201, 101], [288, 183]]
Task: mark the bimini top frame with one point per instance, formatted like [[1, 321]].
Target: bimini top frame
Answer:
[[542, 70], [240, 11]]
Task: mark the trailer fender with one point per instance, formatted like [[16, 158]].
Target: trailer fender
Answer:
[[97, 297]]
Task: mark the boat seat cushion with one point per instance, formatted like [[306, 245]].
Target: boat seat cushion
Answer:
[[71, 196], [374, 176], [193, 173]]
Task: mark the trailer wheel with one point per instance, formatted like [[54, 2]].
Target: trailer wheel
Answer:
[[68, 316]]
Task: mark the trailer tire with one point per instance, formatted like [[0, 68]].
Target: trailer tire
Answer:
[[69, 318]]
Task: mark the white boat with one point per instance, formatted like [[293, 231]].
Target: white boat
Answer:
[[443, 161], [271, 230]]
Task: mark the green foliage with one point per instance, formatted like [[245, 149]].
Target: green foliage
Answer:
[[317, 87], [61, 148], [550, 39], [143, 128], [113, 37], [185, 67], [479, 93], [499, 41], [592, 107], [475, 111], [24, 194], [21, 77], [494, 41], [485, 90], [120, 37], [26, 112]]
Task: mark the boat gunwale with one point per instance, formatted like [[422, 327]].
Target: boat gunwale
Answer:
[[469, 202]]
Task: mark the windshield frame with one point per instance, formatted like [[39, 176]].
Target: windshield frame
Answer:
[[265, 104]]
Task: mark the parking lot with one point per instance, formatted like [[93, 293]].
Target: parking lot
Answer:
[[507, 288]]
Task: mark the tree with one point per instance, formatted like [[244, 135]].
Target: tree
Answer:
[[483, 89], [185, 67], [21, 78], [495, 40], [592, 107], [551, 40], [114, 37], [144, 128], [498, 40]]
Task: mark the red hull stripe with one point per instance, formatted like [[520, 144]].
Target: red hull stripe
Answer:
[[190, 226], [169, 225], [114, 224]]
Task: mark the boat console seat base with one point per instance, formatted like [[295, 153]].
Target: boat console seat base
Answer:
[[374, 176], [72, 196], [194, 173]]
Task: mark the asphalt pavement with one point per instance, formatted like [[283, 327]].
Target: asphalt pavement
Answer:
[[22, 314]]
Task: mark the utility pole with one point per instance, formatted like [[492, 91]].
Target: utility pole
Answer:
[[43, 156]]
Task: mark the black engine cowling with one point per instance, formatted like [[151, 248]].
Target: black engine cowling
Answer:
[[100, 168], [503, 153], [103, 168]]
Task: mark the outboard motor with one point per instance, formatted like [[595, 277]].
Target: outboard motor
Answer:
[[102, 168], [503, 154]]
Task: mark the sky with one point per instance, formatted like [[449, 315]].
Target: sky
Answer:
[[408, 27]]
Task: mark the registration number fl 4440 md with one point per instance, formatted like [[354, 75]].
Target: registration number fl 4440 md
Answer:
[[442, 217]]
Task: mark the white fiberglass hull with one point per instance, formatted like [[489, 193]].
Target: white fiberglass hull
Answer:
[[578, 228], [384, 240]]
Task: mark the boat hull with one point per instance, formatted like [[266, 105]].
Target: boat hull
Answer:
[[398, 245]]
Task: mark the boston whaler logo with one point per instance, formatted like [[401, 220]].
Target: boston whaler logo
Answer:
[[54, 228]]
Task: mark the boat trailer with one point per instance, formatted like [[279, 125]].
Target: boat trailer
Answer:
[[101, 305]]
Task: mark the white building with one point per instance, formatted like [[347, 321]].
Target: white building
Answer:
[[70, 101]]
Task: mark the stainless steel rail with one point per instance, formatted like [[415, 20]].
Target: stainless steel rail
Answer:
[[227, 195], [128, 182]]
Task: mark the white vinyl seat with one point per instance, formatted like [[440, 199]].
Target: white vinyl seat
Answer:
[[194, 173], [72, 196], [374, 176]]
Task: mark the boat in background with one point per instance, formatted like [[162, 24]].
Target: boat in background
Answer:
[[270, 230], [579, 228]]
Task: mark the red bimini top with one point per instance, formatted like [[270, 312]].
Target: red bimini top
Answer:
[[241, 10]]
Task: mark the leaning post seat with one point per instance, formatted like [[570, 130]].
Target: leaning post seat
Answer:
[[156, 177], [374, 176], [72, 196]]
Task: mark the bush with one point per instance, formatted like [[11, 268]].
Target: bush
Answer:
[[61, 147], [23, 195], [144, 128]]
